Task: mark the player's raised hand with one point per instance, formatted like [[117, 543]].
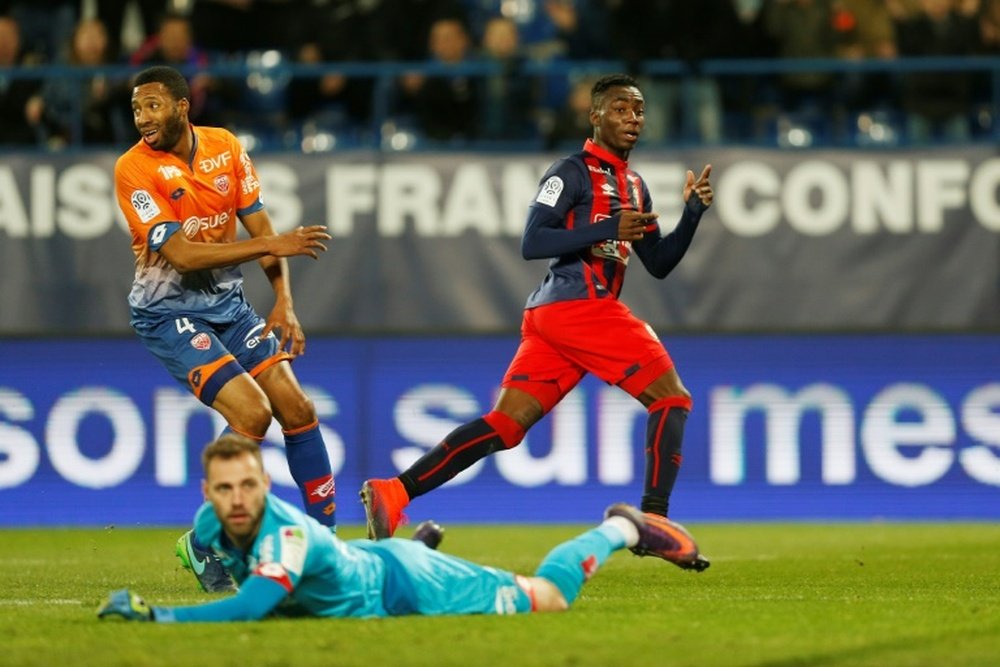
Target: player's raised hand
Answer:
[[300, 241], [127, 605], [701, 187], [632, 225]]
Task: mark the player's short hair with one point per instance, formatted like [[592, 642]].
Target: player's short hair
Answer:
[[607, 82], [229, 446], [172, 80]]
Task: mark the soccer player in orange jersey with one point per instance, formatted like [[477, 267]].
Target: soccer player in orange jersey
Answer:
[[182, 189]]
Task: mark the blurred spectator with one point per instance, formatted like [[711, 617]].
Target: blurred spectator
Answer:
[[509, 96], [20, 103], [572, 122], [803, 29], [173, 44], [937, 103], [989, 27], [46, 27], [665, 29], [337, 31], [574, 29], [112, 12], [406, 25], [446, 107], [234, 27], [86, 110], [864, 30]]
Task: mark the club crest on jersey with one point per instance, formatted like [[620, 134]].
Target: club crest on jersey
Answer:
[[201, 342], [144, 205], [550, 191], [222, 183]]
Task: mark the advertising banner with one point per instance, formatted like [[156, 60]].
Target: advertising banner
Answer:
[[430, 242], [94, 432]]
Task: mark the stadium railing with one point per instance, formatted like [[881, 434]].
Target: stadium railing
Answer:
[[860, 102]]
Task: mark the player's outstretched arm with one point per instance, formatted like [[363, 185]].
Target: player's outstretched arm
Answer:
[[661, 254], [185, 255], [257, 598]]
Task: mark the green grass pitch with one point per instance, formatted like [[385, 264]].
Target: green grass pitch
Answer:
[[777, 594]]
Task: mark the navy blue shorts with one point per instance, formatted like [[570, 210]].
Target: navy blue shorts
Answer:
[[204, 355]]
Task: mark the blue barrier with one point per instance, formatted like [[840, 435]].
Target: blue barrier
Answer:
[[93, 432]]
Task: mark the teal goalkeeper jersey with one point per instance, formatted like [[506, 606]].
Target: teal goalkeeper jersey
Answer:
[[321, 574], [297, 567]]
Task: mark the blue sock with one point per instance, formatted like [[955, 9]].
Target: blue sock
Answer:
[[310, 468], [572, 563]]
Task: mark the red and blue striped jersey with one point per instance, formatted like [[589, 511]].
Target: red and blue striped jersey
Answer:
[[574, 221]]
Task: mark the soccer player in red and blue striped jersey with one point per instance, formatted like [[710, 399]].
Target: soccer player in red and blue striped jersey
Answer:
[[591, 214]]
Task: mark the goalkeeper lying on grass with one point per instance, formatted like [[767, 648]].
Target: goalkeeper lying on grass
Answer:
[[286, 563]]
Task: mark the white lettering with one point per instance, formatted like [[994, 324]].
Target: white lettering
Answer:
[[914, 417], [981, 419], [350, 193], [939, 187], [882, 196], [19, 453], [746, 198], [471, 203], [126, 448], [409, 192], [829, 213], [783, 413], [13, 217], [983, 195]]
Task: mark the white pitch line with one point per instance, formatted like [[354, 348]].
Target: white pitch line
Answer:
[[32, 603]]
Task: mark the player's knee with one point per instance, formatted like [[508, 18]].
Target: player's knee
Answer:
[[254, 418], [296, 414], [511, 431], [547, 596]]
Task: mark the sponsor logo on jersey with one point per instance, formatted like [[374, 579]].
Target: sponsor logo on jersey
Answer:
[[169, 171], [320, 489], [222, 183], [193, 224], [293, 545], [201, 342], [599, 170], [210, 164], [144, 205], [551, 189]]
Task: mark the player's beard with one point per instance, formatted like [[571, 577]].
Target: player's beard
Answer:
[[171, 133]]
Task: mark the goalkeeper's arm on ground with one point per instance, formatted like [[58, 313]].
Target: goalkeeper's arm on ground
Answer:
[[258, 596]]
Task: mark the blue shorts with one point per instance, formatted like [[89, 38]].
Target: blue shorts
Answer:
[[419, 580], [204, 355]]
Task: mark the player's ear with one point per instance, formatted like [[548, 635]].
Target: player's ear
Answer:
[[204, 489]]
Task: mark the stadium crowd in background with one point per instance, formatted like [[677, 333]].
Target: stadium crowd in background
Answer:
[[928, 105]]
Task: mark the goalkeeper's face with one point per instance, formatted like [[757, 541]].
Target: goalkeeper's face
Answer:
[[237, 488]]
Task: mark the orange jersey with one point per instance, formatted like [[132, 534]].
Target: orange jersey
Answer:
[[161, 195]]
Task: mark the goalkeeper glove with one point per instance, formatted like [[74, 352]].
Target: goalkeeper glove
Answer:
[[126, 604]]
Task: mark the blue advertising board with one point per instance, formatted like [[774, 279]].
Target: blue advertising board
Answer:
[[94, 432]]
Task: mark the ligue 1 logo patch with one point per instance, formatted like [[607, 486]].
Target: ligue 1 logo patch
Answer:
[[201, 342], [222, 183]]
